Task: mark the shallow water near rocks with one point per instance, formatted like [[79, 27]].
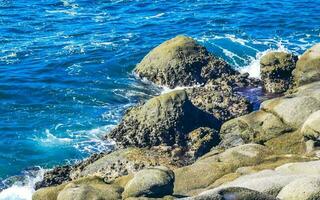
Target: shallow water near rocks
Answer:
[[65, 66]]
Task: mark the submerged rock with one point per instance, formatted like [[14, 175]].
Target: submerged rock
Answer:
[[276, 71], [151, 182], [181, 61], [163, 120], [308, 67]]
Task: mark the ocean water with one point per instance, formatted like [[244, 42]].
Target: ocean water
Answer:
[[65, 66]]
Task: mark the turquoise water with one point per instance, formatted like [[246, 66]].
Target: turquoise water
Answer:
[[65, 66]]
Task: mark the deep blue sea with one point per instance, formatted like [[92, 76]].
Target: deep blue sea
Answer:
[[65, 65]]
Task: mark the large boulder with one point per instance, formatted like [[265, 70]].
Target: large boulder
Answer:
[[151, 182], [258, 127], [276, 71], [301, 189], [311, 127], [163, 120], [213, 166], [292, 110], [271, 181], [92, 189], [308, 66], [181, 61], [81, 189], [232, 193]]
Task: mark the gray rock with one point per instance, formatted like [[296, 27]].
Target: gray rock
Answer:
[[232, 193], [213, 166], [258, 127], [311, 127], [292, 110], [308, 66], [276, 71], [89, 191], [301, 189], [151, 182], [181, 61]]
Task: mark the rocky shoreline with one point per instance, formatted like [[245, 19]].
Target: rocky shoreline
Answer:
[[207, 141]]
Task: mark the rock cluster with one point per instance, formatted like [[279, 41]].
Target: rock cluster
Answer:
[[205, 141], [276, 71]]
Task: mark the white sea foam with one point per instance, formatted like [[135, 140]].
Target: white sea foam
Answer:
[[22, 191], [155, 16], [51, 139], [254, 66]]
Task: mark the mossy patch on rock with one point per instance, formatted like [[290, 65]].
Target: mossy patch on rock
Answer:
[[288, 143], [222, 102], [181, 61], [308, 67], [151, 182], [81, 189], [163, 120], [124, 162], [258, 127], [206, 171]]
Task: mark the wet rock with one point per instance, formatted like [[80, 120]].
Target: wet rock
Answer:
[[62, 174], [152, 182], [200, 141], [301, 189], [163, 120], [308, 67], [276, 71], [123, 162], [220, 101], [55, 177], [181, 61]]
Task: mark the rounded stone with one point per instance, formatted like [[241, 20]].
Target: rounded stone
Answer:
[[308, 66], [151, 182], [181, 61], [301, 189]]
